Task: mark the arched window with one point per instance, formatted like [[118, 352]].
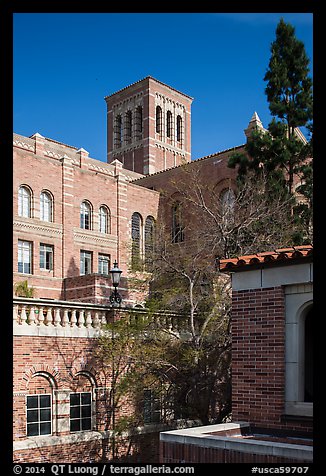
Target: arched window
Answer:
[[46, 206], [128, 127], [117, 131], [169, 128], [104, 220], [308, 357], [149, 241], [82, 411], [24, 202], [85, 215], [179, 128], [139, 123], [177, 226], [227, 199], [159, 119], [136, 241]]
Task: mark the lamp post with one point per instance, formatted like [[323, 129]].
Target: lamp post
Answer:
[[115, 297]]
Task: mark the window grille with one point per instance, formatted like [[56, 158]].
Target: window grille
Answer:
[[85, 216], [25, 257], [149, 241], [159, 119], [104, 220], [46, 257], [136, 222], [104, 264], [24, 202], [179, 129], [45, 207], [169, 125], [139, 123], [39, 415], [117, 130], [85, 262], [177, 226], [128, 127], [80, 411]]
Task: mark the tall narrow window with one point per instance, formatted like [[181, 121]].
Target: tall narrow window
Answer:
[[45, 206], [128, 127], [117, 129], [136, 228], [85, 262], [227, 198], [104, 220], [177, 226], [149, 242], [169, 127], [152, 407], [308, 358], [24, 257], [179, 129], [159, 119], [85, 216], [24, 202], [46, 257], [39, 415], [80, 411], [104, 264], [139, 123]]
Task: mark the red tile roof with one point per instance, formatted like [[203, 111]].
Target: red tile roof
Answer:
[[278, 256]]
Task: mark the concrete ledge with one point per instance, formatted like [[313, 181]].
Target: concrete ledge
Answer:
[[202, 437]]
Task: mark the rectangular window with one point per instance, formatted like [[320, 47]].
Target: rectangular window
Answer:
[[85, 262], [104, 264], [39, 415], [152, 407], [25, 257], [80, 411], [46, 257]]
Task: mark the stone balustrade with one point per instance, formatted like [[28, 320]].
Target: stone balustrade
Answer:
[[61, 318], [43, 317]]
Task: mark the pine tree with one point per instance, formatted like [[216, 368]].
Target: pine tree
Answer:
[[279, 152]]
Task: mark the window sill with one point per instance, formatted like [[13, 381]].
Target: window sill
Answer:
[[300, 409]]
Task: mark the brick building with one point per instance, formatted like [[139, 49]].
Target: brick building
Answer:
[[73, 216], [272, 384]]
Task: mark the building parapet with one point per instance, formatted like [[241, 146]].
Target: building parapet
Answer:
[[45, 317]]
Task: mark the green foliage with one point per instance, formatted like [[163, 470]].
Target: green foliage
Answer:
[[289, 88], [279, 153], [22, 289]]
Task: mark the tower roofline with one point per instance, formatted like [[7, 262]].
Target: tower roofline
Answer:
[[147, 78]]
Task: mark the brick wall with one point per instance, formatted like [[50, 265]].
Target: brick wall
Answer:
[[185, 453], [58, 366], [258, 359]]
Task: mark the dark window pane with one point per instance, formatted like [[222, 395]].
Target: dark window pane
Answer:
[[32, 429], [75, 399], [86, 411], [86, 398], [74, 412], [74, 425], [45, 428], [45, 415], [45, 401], [32, 416], [32, 402], [86, 424]]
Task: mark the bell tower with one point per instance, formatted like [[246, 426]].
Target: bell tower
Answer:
[[148, 126]]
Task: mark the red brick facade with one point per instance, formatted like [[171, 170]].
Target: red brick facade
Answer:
[[149, 126], [258, 359]]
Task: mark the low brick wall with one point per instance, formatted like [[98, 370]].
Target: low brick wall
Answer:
[[200, 445]]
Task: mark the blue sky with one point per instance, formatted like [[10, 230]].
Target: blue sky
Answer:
[[66, 63]]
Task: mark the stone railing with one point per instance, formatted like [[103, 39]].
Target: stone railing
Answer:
[[43, 317], [65, 318]]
